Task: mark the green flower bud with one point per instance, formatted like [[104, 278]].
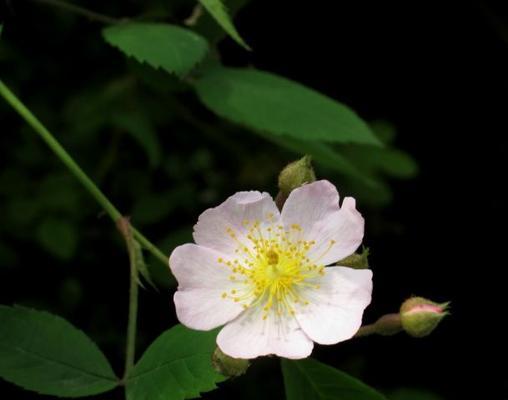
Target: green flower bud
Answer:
[[420, 316], [292, 176], [356, 261], [228, 366], [296, 174]]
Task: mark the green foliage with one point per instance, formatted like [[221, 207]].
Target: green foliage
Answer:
[[309, 379], [155, 207], [176, 366], [218, 11], [326, 155], [174, 49], [140, 128], [279, 106], [58, 236], [207, 25], [46, 354]]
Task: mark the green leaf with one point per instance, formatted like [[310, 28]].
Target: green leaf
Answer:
[[278, 106], [309, 379], [46, 354], [58, 237], [218, 11], [207, 25], [176, 366], [174, 49], [324, 154], [388, 161], [384, 130], [140, 128]]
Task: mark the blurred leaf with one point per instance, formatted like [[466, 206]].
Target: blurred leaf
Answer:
[[324, 154], [374, 161], [22, 211], [174, 49], [14, 182], [309, 379], [46, 354], [377, 196], [384, 130], [176, 366], [88, 111], [276, 105], [155, 207], [70, 293], [58, 193], [140, 128], [218, 11], [58, 237], [8, 256], [413, 394], [159, 272]]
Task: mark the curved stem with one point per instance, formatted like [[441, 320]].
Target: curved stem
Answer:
[[75, 169], [92, 15]]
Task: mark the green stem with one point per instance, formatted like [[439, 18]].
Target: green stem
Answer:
[[126, 229], [366, 330], [133, 318], [387, 325], [75, 169], [92, 15]]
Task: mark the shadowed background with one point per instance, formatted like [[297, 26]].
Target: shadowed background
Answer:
[[434, 72]]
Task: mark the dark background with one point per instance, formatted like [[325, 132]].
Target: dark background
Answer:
[[436, 70]]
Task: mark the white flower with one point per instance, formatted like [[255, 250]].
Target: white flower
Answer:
[[262, 274]]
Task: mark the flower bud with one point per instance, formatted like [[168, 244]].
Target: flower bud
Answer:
[[228, 366], [356, 261], [296, 174], [420, 316]]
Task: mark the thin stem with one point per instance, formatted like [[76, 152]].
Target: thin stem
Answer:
[[91, 15], [75, 169], [126, 230], [133, 318], [387, 325], [366, 330]]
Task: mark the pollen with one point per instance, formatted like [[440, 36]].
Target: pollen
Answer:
[[272, 270]]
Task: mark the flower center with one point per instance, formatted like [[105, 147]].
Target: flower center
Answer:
[[272, 269]]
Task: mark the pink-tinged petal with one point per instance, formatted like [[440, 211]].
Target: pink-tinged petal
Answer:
[[310, 204], [335, 309], [249, 336], [336, 231], [338, 236], [204, 309], [202, 281], [212, 227]]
